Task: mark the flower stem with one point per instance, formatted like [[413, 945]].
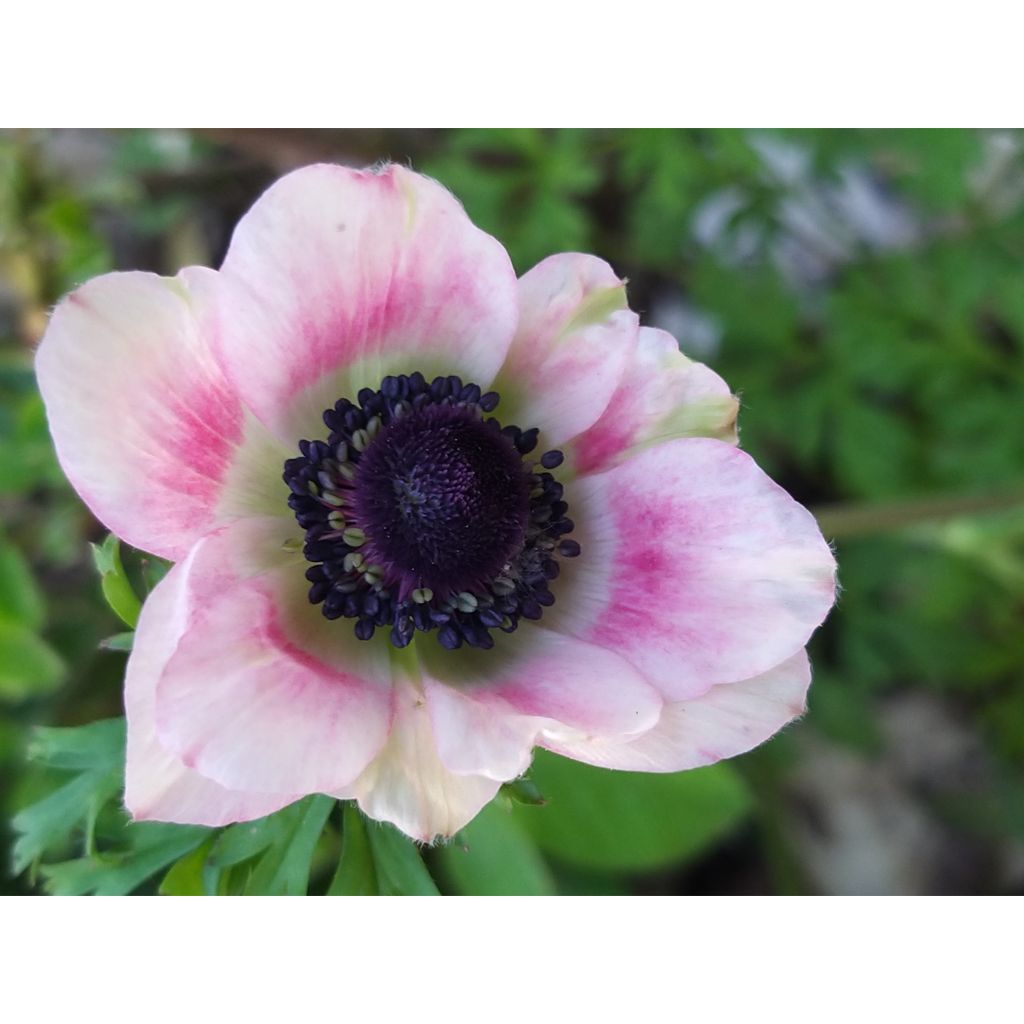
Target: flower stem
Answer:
[[853, 520]]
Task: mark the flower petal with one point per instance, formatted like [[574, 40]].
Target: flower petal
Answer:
[[729, 719], [144, 423], [343, 276], [488, 708], [408, 785], [158, 786], [247, 699], [696, 567], [662, 395], [575, 338]]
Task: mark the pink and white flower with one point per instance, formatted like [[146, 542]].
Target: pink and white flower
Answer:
[[595, 568]]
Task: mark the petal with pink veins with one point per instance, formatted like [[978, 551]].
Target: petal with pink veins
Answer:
[[662, 395], [729, 719], [158, 785], [696, 567], [489, 708], [145, 425], [337, 277], [262, 693], [575, 338]]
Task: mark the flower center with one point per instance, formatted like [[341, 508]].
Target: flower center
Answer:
[[422, 512]]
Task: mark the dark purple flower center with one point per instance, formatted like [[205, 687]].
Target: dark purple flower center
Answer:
[[422, 512]]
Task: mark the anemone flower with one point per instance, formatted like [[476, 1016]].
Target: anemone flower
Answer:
[[425, 516]]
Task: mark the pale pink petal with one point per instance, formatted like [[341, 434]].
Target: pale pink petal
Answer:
[[158, 786], [729, 719], [339, 277], [696, 567], [409, 786], [662, 395], [489, 708], [262, 692], [575, 338], [144, 424]]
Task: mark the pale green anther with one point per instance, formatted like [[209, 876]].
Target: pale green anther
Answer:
[[465, 602], [354, 537], [371, 578], [334, 500], [448, 604], [400, 409], [506, 622], [503, 586], [347, 470], [312, 488], [536, 492], [326, 480], [373, 426], [360, 439], [421, 595], [337, 520], [341, 452], [352, 561]]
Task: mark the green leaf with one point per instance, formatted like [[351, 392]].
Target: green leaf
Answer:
[[21, 600], [499, 858], [96, 752], [154, 845], [400, 869], [629, 821], [118, 642], [242, 842], [524, 791], [117, 589], [51, 822], [28, 665], [186, 877], [356, 875], [284, 869], [98, 745]]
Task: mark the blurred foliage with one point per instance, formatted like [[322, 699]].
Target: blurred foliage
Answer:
[[861, 290]]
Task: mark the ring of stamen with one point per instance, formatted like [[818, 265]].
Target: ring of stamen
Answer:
[[422, 512]]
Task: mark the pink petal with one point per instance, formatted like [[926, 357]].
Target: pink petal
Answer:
[[696, 567], [262, 693], [145, 426], [727, 720], [662, 395], [158, 786], [409, 786], [489, 709], [343, 276], [575, 338]]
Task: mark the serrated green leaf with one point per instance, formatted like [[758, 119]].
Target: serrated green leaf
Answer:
[[629, 821], [284, 869], [400, 869], [155, 845], [98, 745], [51, 822], [356, 875], [495, 856]]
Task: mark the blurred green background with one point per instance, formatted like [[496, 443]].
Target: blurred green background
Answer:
[[863, 292]]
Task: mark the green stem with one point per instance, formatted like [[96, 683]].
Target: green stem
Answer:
[[841, 521]]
